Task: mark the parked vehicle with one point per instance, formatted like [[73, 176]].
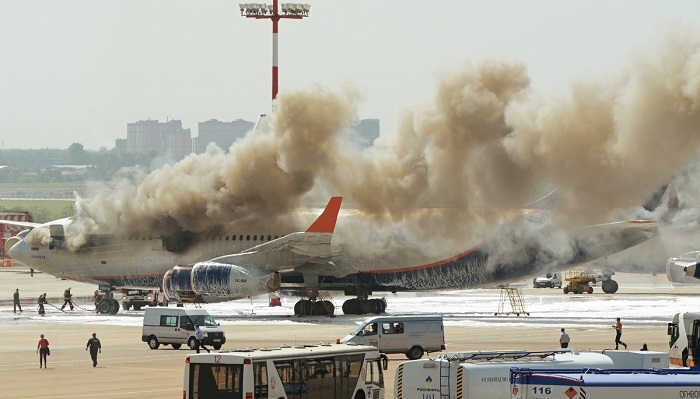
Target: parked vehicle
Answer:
[[604, 384], [477, 375], [684, 339], [175, 326], [325, 371], [139, 299], [550, 280], [412, 335]]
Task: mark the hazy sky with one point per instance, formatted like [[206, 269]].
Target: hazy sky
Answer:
[[79, 71]]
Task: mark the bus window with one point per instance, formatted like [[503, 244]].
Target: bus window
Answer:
[[216, 381], [260, 379], [320, 378], [293, 377]]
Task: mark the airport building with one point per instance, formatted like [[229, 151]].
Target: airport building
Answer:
[[223, 134]]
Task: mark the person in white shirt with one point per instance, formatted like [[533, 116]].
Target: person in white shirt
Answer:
[[199, 335], [564, 339]]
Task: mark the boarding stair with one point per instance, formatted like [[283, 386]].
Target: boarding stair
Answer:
[[514, 296]]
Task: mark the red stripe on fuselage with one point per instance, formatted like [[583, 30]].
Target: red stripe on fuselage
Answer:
[[426, 266]]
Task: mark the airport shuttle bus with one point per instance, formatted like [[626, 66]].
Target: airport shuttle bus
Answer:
[[684, 339], [323, 371]]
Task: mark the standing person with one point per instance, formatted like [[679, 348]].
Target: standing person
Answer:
[[618, 334], [199, 335], [16, 304], [94, 345], [67, 299], [42, 348], [42, 301], [564, 339]]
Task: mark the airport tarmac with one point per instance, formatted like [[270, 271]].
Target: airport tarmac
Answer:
[[128, 368]]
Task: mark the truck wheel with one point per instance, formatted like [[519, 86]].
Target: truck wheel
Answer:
[[415, 353], [104, 306], [153, 342], [137, 307], [217, 346], [114, 306], [176, 346], [126, 305], [590, 290], [566, 289], [192, 343]]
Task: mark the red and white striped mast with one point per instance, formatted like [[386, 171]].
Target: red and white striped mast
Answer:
[[271, 11]]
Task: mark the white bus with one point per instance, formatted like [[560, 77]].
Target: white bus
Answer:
[[323, 371]]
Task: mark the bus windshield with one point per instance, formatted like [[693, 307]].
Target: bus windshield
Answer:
[[216, 381]]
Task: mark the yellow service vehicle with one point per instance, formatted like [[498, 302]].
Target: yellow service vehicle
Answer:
[[579, 281]]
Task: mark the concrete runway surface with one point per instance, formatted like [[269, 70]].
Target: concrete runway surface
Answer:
[[128, 368]]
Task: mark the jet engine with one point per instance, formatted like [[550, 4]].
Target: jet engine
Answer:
[[216, 282]]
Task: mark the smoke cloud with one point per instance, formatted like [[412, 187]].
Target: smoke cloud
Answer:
[[456, 169]]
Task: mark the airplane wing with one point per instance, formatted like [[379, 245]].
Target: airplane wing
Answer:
[[311, 248]]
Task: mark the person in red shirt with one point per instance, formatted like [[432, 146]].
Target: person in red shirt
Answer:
[[42, 348]]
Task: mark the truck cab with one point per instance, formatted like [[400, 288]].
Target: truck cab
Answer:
[[139, 298]]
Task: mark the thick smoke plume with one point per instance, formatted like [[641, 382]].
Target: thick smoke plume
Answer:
[[457, 167]]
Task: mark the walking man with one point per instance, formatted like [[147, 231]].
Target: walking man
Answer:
[[94, 345], [618, 334], [564, 339], [16, 304], [199, 336], [67, 299]]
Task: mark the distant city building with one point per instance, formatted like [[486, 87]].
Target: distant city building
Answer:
[[120, 145], [223, 134], [367, 130], [168, 138]]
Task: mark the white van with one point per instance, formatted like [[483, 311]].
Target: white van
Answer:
[[175, 326], [412, 335]]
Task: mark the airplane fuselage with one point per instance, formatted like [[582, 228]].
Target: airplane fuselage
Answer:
[[142, 262]]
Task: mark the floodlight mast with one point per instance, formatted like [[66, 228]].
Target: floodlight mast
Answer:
[[267, 11]]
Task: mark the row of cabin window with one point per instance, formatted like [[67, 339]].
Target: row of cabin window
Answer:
[[247, 238]]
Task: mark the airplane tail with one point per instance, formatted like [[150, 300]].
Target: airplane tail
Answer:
[[326, 222]]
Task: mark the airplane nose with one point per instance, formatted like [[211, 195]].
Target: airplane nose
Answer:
[[18, 250]]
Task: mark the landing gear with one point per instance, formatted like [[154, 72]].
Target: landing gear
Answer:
[[610, 286], [308, 307], [364, 306], [108, 306]]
